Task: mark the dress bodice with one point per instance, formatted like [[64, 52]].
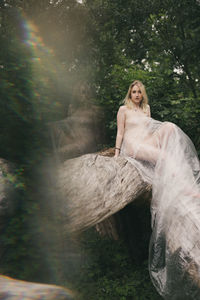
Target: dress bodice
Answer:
[[136, 125], [139, 131]]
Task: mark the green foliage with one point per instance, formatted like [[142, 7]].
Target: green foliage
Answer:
[[28, 237], [107, 272], [34, 87], [167, 100], [156, 42]]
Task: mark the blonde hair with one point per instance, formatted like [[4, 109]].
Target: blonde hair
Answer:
[[144, 103]]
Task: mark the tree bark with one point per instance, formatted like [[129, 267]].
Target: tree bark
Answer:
[[94, 187], [18, 289]]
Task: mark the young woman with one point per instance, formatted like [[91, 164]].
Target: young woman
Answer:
[[135, 128], [166, 158]]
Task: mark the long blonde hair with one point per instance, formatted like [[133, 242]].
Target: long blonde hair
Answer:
[[144, 103]]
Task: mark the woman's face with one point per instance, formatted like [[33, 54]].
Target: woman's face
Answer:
[[136, 95]]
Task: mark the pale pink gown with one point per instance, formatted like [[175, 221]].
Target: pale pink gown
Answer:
[[166, 157]]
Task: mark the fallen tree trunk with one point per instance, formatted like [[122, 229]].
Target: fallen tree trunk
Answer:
[[18, 289], [94, 187]]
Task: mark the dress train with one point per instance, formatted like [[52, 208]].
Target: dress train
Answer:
[[166, 158]]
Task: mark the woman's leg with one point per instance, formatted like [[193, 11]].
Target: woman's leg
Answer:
[[151, 148], [165, 132], [147, 152]]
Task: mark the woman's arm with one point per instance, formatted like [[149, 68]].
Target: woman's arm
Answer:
[[120, 129], [148, 111]]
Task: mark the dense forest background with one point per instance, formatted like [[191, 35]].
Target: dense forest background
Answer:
[[53, 52]]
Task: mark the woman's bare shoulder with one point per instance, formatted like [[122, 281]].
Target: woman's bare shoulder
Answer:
[[123, 108]]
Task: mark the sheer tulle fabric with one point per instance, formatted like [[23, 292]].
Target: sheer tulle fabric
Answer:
[[167, 159]]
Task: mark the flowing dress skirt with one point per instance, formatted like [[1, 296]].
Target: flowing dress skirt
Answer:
[[166, 158]]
